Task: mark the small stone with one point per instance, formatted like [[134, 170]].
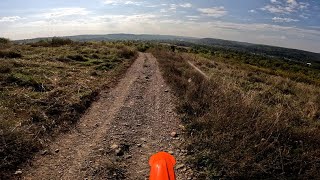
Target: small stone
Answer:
[[119, 152], [184, 169], [114, 146], [182, 127], [18, 172], [179, 166], [171, 152], [128, 157], [139, 145], [44, 152], [263, 139], [143, 139], [174, 134], [56, 151], [166, 90]]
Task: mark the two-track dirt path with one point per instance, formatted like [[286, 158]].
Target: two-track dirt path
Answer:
[[135, 119]]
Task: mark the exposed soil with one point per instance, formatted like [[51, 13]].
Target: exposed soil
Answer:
[[119, 133]]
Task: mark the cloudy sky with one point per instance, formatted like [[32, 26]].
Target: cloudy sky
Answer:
[[288, 23]]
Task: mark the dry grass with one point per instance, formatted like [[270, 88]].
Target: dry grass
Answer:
[[46, 90], [244, 123]]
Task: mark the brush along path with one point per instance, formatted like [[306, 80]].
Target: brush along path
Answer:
[[119, 133]]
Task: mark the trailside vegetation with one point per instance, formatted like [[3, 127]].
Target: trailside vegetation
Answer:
[[250, 119]]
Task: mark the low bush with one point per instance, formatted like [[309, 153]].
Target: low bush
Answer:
[[4, 41], [10, 54], [56, 42], [142, 47], [125, 52]]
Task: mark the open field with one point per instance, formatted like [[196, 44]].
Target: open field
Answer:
[[243, 121], [45, 87], [242, 118]]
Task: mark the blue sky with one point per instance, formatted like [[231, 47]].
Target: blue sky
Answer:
[[288, 23]]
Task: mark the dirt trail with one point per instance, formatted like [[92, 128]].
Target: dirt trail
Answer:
[[135, 119]]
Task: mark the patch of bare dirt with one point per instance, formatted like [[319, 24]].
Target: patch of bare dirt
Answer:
[[119, 133]]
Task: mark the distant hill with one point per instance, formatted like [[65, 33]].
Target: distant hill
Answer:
[[110, 37], [286, 53], [272, 51]]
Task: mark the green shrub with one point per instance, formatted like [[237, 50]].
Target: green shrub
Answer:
[[41, 43], [4, 41], [142, 47], [56, 42]]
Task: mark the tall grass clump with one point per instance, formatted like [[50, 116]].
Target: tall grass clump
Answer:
[[233, 133]]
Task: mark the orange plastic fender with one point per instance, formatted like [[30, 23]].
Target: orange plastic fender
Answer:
[[162, 166]]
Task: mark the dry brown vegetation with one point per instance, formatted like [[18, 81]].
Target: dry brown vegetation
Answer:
[[244, 122], [44, 90]]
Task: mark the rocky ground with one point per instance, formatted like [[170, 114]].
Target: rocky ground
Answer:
[[119, 133]]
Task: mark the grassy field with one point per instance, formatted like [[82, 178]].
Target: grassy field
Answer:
[[245, 122], [46, 86]]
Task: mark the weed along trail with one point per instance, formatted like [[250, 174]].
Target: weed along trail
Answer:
[[118, 134]]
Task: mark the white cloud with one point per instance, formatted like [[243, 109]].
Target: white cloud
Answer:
[[173, 7], [252, 11], [214, 11], [10, 18], [285, 6], [62, 12], [119, 2], [186, 5], [281, 20], [163, 10], [277, 9], [292, 2]]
